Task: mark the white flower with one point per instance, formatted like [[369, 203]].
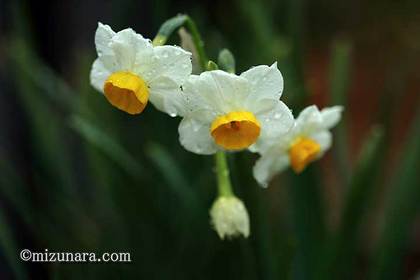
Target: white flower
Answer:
[[307, 141], [230, 112], [129, 71], [229, 217]]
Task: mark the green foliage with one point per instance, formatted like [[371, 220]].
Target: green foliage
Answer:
[[98, 180], [401, 210]]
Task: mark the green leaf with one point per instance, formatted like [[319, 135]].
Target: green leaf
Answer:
[[172, 173], [107, 145], [10, 249], [401, 210], [340, 68], [340, 259], [339, 85], [36, 73], [15, 191], [309, 224]]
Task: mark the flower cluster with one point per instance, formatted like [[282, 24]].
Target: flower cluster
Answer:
[[220, 111]]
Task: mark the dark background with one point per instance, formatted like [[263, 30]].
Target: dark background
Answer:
[[78, 175]]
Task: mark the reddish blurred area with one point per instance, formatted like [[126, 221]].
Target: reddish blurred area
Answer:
[[383, 73]]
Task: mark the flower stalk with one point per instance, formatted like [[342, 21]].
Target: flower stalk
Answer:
[[222, 168], [174, 23], [223, 180], [228, 213]]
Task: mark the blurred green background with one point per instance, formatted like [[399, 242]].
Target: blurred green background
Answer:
[[78, 175]]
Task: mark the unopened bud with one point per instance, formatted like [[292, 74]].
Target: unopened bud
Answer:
[[229, 217]]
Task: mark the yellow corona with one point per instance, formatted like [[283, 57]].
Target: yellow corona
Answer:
[[127, 92], [236, 130], [302, 152]]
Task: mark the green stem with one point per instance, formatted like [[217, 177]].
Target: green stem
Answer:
[[198, 42], [222, 170], [174, 23]]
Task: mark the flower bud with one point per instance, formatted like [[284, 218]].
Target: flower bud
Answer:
[[229, 217]]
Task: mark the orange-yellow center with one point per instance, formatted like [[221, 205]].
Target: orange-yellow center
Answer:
[[302, 152], [127, 92], [236, 130]]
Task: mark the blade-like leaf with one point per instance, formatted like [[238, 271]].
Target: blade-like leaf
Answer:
[[171, 173], [107, 145], [339, 86], [340, 259], [10, 248], [402, 208], [309, 223]]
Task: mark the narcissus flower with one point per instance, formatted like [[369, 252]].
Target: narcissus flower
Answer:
[[130, 71], [229, 217], [307, 141], [224, 111]]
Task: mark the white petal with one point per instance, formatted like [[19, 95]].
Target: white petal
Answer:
[[269, 165], [195, 136], [275, 122], [103, 37], [130, 52], [191, 98], [324, 139], [217, 91], [98, 75], [309, 121], [172, 62], [266, 81], [331, 116], [166, 96]]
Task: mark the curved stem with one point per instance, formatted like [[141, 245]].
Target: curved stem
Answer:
[[198, 42], [169, 26], [222, 168]]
